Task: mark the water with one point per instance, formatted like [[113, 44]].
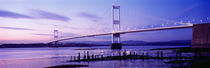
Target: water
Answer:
[[44, 57]]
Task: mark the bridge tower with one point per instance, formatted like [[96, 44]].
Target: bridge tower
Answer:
[[55, 38], [116, 27]]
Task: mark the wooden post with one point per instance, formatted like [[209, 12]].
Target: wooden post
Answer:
[[78, 56], [102, 58], [84, 56], [93, 57], [88, 56], [134, 53], [161, 54], [137, 56], [177, 55], [74, 58], [130, 55], [143, 57], [120, 55], [124, 54], [157, 54]]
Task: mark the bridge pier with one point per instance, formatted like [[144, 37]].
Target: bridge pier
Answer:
[[201, 35], [116, 46]]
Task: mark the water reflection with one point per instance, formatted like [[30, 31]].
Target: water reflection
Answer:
[[44, 57]]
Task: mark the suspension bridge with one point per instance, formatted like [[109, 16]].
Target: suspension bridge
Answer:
[[201, 32]]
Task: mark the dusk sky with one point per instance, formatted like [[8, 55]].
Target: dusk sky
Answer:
[[31, 21]]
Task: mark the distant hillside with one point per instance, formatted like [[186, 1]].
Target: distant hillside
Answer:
[[134, 43], [139, 43], [97, 43], [91, 42]]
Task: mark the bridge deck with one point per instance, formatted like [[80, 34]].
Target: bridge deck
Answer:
[[124, 32]]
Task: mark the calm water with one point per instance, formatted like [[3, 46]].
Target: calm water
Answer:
[[44, 57]]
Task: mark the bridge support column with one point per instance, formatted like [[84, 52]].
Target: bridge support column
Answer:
[[201, 35], [116, 28]]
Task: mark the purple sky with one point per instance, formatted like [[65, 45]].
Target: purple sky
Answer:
[[26, 21]]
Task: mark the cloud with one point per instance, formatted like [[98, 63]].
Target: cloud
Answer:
[[68, 35], [12, 14], [60, 35], [42, 34], [15, 28], [89, 16], [40, 14], [50, 15], [65, 26]]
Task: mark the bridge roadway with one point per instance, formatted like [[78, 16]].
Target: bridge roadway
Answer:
[[124, 32]]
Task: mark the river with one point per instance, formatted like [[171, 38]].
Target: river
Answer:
[[45, 57]]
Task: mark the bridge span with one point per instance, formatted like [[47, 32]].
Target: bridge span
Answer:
[[124, 32]]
